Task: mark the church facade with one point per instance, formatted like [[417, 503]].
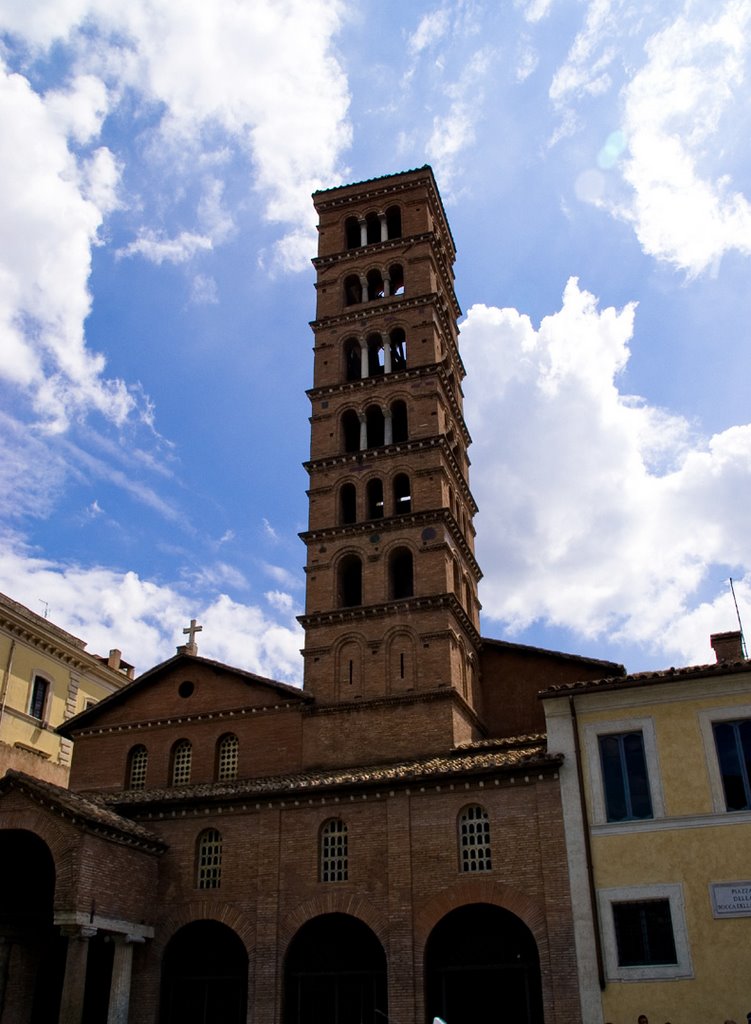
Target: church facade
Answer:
[[386, 843]]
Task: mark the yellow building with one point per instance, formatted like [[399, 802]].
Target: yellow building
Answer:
[[47, 677], [658, 768]]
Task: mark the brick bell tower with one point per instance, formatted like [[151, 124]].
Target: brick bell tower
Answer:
[[391, 604]]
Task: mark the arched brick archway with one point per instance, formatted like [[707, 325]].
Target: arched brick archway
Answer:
[[335, 971], [482, 963], [204, 975]]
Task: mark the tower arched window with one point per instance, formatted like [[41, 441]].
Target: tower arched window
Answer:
[[352, 290], [350, 582], [334, 856], [227, 757], [402, 495], [38, 700], [374, 492], [457, 580], [182, 758], [209, 859], [401, 574], [351, 431], [352, 359], [474, 839], [138, 761], [375, 284], [375, 426], [394, 222], [373, 223], [352, 233], [399, 430], [376, 355], [347, 504], [396, 277], [398, 341]]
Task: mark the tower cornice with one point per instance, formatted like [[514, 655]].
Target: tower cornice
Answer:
[[389, 524], [398, 608]]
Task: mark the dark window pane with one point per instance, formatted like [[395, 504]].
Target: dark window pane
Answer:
[[613, 781], [733, 741], [624, 775], [644, 933]]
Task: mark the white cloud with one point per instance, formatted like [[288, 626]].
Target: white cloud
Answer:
[[454, 130], [49, 221], [684, 208], [157, 249], [598, 512], [144, 619], [536, 10], [432, 28]]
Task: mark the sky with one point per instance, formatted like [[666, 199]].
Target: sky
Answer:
[[156, 232]]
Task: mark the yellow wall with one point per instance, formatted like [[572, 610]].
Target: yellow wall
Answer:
[[692, 845]]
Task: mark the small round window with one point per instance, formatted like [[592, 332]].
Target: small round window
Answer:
[[186, 688]]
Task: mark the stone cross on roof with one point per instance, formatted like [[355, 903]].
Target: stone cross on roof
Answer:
[[191, 647]]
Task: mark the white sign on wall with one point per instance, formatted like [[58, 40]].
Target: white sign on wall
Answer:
[[731, 899]]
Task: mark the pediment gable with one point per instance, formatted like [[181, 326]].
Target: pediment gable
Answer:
[[185, 686]]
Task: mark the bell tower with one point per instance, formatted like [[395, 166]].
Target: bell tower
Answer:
[[391, 578]]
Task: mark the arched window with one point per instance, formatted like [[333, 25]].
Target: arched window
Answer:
[[402, 495], [398, 350], [138, 761], [350, 582], [474, 839], [467, 596], [376, 355], [352, 290], [396, 277], [375, 285], [401, 574], [227, 756], [349, 669], [457, 580], [394, 222], [334, 867], [182, 757], [209, 859], [399, 421], [347, 504], [38, 701], [351, 431], [373, 222], [352, 359], [374, 419], [352, 233], [375, 499]]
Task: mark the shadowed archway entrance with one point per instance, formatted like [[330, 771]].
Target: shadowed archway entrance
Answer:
[[33, 951], [204, 976], [335, 971], [481, 964]]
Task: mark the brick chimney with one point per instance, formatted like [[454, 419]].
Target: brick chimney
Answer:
[[728, 646]]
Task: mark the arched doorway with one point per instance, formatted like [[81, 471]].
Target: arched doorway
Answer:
[[31, 983], [481, 964], [204, 976], [335, 971]]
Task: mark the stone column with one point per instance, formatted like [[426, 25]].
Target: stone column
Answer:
[[74, 983], [388, 428], [364, 286], [364, 360], [363, 431], [121, 972], [387, 356], [384, 227], [363, 231], [386, 286]]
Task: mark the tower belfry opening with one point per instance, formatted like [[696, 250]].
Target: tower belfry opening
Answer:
[[390, 521]]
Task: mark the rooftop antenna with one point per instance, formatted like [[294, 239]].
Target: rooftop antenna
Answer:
[[740, 624], [46, 607]]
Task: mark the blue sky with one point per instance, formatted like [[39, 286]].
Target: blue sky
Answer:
[[155, 292]]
